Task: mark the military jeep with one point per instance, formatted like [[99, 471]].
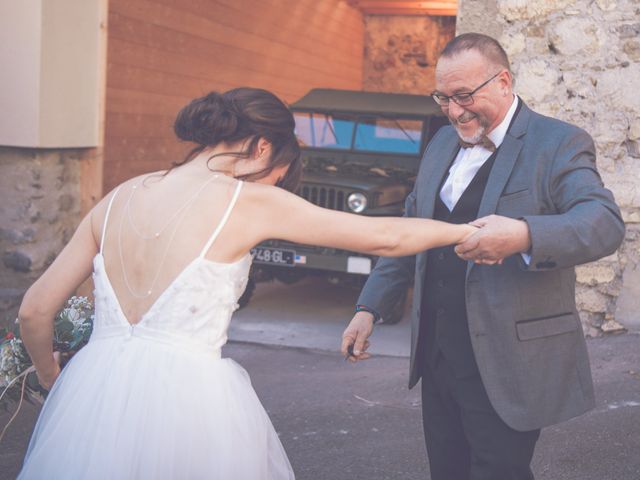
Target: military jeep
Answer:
[[361, 152]]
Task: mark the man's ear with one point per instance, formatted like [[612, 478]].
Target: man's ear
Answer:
[[506, 79]]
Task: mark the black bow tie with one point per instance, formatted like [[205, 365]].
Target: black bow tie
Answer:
[[484, 142]]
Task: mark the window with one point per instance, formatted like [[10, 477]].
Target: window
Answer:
[[324, 131], [372, 134], [389, 135]]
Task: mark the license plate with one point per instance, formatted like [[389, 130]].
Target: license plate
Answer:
[[273, 256]]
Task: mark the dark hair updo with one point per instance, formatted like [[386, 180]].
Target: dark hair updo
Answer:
[[243, 114]]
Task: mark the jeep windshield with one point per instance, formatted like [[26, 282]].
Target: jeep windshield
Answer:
[[370, 134]]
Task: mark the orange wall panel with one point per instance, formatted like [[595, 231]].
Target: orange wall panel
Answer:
[[162, 53]]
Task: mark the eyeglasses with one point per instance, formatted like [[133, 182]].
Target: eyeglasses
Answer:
[[462, 99]]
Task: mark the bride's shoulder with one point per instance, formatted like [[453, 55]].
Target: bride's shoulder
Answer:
[[261, 193], [143, 180], [99, 211], [102, 204], [255, 189]]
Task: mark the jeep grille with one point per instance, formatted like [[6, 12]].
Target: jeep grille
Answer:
[[332, 198]]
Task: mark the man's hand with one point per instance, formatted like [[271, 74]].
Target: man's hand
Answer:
[[356, 334], [499, 237]]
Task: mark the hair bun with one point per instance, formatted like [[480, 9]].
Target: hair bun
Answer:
[[207, 120]]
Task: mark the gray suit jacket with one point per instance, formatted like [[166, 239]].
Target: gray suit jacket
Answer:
[[524, 326]]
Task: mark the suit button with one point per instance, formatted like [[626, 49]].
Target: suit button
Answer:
[[441, 256], [441, 283], [440, 312]]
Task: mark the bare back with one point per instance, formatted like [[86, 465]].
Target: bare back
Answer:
[[157, 226]]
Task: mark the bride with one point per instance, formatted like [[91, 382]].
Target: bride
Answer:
[[149, 396]]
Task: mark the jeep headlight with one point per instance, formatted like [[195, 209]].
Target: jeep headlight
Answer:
[[357, 202]]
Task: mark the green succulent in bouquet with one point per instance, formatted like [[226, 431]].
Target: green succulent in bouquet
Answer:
[[73, 326], [72, 329]]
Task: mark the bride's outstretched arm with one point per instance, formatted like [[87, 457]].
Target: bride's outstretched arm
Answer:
[[288, 217]]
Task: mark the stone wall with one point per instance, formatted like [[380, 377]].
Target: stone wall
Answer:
[[579, 60], [39, 209], [400, 52]]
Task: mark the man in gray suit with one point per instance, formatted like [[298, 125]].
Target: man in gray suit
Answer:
[[496, 337]]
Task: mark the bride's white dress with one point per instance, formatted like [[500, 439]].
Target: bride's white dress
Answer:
[[155, 400]]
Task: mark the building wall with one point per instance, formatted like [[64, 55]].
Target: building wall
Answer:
[[51, 96], [579, 60], [163, 53], [401, 52], [40, 209]]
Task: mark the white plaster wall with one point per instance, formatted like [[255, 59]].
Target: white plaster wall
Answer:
[[50, 84], [20, 40]]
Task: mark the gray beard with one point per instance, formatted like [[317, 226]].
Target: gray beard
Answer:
[[474, 138]]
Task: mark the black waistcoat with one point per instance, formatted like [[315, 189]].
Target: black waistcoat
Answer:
[[444, 328]]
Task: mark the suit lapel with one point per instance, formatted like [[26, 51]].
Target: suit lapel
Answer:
[[500, 173], [436, 173], [505, 161], [503, 166]]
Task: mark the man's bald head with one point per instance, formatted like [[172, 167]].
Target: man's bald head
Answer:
[[487, 46]]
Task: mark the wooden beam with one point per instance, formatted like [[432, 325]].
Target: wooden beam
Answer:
[[425, 12], [391, 7]]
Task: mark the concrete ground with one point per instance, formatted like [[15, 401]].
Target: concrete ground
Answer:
[[310, 314], [357, 422]]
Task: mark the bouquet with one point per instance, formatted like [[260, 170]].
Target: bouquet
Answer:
[[18, 381]]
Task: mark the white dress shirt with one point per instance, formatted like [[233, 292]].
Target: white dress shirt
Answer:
[[469, 160]]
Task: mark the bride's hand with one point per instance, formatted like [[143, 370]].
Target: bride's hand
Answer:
[[47, 377], [469, 231]]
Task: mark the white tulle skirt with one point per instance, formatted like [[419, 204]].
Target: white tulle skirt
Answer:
[[150, 411]]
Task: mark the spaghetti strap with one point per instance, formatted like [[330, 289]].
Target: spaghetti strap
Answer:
[[223, 221], [106, 218]]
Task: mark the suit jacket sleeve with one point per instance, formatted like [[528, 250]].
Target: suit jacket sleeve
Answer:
[[391, 276], [586, 224]]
